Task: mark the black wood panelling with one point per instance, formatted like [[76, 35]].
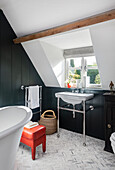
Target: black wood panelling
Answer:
[[94, 119], [16, 68]]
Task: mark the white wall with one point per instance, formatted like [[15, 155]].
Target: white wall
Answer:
[[41, 63], [103, 39], [56, 59]]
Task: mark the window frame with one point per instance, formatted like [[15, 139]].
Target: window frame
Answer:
[[83, 68]]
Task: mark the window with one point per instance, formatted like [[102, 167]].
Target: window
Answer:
[[82, 72]]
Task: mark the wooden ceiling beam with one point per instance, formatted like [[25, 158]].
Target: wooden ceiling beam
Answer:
[[109, 15]]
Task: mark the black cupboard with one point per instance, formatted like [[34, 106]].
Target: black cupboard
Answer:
[[109, 119]]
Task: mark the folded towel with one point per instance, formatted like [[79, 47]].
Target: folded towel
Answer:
[[31, 124], [33, 97]]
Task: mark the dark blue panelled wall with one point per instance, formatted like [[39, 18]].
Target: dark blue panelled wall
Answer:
[[16, 68], [95, 119]]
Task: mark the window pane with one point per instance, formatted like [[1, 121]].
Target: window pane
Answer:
[[74, 62], [74, 70], [92, 70], [78, 68], [91, 61], [74, 74], [94, 76]]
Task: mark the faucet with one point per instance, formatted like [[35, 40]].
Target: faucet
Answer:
[[82, 90], [72, 90], [76, 90]]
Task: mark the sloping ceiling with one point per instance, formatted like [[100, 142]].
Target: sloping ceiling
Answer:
[[27, 16], [70, 39], [103, 38]]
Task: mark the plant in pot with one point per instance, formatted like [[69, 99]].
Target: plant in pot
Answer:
[[68, 83]]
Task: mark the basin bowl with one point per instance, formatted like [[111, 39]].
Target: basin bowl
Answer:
[[73, 98]]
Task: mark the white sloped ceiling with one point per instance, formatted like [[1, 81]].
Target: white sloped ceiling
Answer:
[[103, 39]]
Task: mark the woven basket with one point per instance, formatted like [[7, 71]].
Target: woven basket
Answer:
[[49, 121]]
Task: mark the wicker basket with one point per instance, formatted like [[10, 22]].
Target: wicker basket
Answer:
[[49, 121]]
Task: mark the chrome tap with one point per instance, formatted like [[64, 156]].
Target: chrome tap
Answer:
[[82, 90], [75, 90]]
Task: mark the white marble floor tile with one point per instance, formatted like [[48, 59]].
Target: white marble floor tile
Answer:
[[66, 153]]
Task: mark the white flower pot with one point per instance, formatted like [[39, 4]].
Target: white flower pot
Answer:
[[78, 83]]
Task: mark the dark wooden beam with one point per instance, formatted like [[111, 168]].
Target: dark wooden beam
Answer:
[[74, 25]]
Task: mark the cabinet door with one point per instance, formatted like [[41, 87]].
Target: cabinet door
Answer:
[[109, 109], [113, 118]]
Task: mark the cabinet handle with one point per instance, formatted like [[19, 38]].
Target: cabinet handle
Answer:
[[109, 126]]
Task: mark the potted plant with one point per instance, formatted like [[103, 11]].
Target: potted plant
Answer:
[[68, 83]]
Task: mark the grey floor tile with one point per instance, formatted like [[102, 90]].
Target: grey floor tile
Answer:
[[66, 153]]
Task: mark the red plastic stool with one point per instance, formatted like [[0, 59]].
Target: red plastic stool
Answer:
[[34, 137]]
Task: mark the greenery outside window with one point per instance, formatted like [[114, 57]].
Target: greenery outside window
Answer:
[[82, 72]]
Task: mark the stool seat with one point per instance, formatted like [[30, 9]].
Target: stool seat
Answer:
[[34, 133], [34, 137]]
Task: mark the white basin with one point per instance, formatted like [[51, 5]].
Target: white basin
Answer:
[[74, 98]]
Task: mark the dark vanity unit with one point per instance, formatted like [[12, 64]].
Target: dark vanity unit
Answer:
[[109, 119]]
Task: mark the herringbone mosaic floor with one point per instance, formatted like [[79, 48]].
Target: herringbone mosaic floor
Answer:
[[66, 153]]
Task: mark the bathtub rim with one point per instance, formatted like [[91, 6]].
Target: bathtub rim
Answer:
[[18, 125]]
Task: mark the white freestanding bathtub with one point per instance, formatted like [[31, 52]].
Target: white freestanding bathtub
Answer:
[[12, 121]]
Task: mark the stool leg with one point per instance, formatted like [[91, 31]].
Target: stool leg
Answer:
[[44, 144], [33, 152]]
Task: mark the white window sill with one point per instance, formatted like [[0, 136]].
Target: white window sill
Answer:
[[94, 86]]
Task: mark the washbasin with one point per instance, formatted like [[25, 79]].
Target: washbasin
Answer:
[[73, 98]]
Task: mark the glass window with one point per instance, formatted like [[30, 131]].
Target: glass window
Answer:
[[74, 71], [91, 61], [82, 72], [92, 70]]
